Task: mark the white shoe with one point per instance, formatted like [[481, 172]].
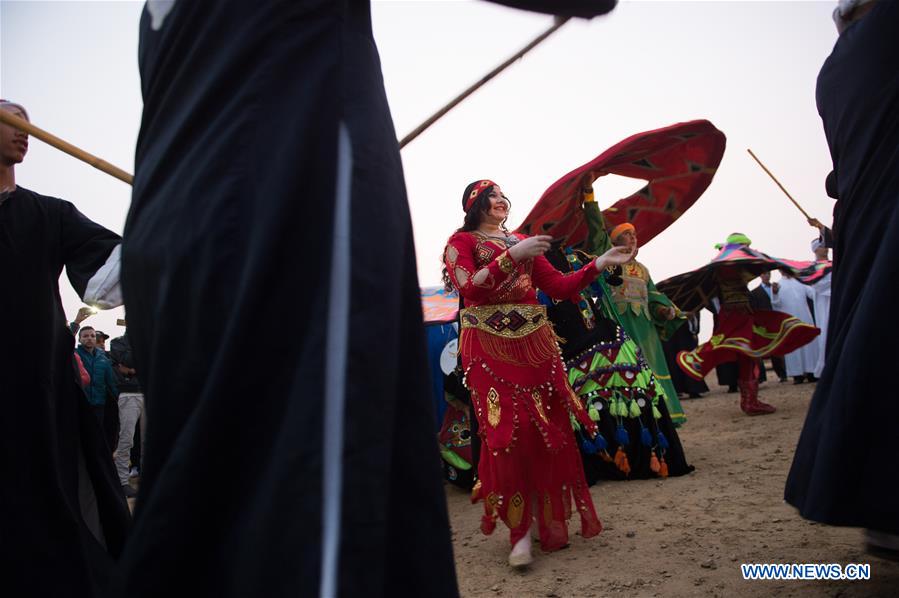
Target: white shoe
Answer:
[[521, 553], [134, 473]]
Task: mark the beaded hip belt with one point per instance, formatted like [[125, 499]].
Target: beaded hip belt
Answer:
[[509, 321]]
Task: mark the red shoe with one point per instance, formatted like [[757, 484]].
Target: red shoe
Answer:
[[749, 399]]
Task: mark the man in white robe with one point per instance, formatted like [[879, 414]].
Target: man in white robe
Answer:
[[822, 304], [791, 296]]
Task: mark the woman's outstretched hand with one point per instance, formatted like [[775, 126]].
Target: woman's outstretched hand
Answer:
[[614, 257], [530, 247]]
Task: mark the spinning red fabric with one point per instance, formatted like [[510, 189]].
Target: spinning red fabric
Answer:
[[677, 162]]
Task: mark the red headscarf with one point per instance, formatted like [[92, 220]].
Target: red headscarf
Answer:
[[477, 189]]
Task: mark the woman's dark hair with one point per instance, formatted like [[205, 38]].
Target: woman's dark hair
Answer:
[[472, 221]]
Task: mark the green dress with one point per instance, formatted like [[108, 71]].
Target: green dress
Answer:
[[635, 303]]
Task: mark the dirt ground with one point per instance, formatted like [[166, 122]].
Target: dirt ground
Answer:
[[686, 536]]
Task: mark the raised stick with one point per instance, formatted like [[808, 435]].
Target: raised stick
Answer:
[[20, 123], [434, 117], [787, 193]]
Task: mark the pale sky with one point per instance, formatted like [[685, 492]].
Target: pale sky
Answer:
[[748, 67]]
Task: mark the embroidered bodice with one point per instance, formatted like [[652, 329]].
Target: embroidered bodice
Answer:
[[633, 292], [506, 281]]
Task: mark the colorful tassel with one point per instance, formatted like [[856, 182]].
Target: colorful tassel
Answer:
[[646, 437], [621, 461], [656, 413], [622, 436], [654, 463], [634, 409], [588, 447], [663, 442], [663, 468], [593, 412], [600, 443]]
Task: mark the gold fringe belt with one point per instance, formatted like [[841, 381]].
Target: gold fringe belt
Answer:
[[515, 334]]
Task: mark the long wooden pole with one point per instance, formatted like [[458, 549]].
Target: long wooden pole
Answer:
[[455, 101], [787, 193], [23, 125]]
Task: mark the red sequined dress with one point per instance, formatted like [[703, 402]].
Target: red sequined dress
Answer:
[[530, 466]]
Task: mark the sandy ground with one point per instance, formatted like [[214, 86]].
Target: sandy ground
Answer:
[[686, 536]]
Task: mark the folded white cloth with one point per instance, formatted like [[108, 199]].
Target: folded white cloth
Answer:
[[104, 289]]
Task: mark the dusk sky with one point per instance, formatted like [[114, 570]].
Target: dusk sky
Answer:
[[749, 67]]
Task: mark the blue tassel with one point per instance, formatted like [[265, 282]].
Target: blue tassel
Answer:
[[600, 443], [544, 299], [623, 438], [646, 437], [588, 447], [663, 442]]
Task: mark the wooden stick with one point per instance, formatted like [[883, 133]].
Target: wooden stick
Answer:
[[437, 115], [804, 213], [23, 125]]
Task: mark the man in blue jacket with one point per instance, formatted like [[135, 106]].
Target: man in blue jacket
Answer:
[[100, 369]]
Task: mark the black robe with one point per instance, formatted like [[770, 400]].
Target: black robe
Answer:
[[265, 128], [51, 446], [844, 469]]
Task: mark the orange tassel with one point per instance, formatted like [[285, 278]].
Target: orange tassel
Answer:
[[621, 461], [654, 463], [663, 468], [605, 456]]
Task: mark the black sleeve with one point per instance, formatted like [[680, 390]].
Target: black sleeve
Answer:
[[563, 8], [827, 237], [85, 245]]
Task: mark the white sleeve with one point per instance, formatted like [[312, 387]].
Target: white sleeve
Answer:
[[775, 297], [104, 289]]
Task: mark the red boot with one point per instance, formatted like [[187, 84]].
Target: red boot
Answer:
[[749, 399]]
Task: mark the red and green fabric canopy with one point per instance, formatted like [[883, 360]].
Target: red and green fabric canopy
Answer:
[[812, 272], [677, 162], [692, 290]]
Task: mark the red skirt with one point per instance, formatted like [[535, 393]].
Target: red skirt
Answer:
[[530, 466], [755, 334]]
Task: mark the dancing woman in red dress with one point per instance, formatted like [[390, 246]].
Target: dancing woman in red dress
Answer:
[[530, 467]]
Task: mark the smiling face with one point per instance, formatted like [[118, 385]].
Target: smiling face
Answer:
[[498, 209], [13, 142]]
